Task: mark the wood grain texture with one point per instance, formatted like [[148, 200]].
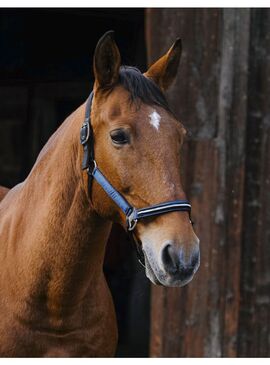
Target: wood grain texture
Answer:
[[222, 97], [254, 321]]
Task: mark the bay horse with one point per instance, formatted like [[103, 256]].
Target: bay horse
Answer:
[[54, 300]]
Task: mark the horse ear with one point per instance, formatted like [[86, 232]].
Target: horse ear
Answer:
[[107, 61], [163, 71]]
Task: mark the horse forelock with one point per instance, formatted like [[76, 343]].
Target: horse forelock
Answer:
[[141, 88]]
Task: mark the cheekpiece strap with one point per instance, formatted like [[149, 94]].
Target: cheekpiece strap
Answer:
[[86, 136], [112, 192]]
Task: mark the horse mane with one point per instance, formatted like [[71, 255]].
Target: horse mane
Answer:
[[141, 88]]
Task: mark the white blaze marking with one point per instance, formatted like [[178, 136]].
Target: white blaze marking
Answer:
[[155, 119]]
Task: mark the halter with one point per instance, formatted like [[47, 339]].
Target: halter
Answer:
[[133, 215]]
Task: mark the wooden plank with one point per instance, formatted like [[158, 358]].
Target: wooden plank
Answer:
[[234, 62], [158, 297], [183, 314], [202, 318], [254, 322], [195, 92], [181, 318]]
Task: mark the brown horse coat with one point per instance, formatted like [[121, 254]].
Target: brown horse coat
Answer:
[[40, 224], [54, 300]]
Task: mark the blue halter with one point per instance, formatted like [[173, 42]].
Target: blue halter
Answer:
[[133, 215]]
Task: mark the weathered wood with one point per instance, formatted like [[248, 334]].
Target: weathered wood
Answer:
[[254, 325], [180, 317], [225, 310], [199, 31], [234, 63], [199, 329]]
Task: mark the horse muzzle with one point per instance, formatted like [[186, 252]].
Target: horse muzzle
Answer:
[[172, 265]]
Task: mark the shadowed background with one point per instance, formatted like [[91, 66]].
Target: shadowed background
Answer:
[[222, 97]]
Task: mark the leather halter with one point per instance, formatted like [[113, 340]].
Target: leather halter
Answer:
[[133, 215]]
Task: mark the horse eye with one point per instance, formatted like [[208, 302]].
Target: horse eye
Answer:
[[119, 136]]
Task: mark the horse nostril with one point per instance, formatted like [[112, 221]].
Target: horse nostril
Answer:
[[188, 269], [175, 263], [170, 259], [185, 272]]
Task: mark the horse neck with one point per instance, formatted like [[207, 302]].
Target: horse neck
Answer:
[[64, 239]]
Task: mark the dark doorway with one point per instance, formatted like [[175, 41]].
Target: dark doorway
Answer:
[[46, 73]]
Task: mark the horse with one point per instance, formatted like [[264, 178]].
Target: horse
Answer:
[[54, 299]]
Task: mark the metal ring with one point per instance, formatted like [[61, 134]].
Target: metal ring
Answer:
[[132, 224], [93, 169]]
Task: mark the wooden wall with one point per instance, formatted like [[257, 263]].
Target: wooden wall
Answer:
[[222, 96]]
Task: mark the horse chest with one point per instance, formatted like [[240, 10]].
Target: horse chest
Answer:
[[91, 332], [97, 341]]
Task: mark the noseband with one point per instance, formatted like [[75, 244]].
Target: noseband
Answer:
[[133, 215]]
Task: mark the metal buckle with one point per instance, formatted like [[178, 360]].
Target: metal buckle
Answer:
[[131, 221], [87, 126], [90, 172]]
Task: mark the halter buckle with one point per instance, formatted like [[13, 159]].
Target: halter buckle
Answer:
[[131, 220], [85, 132], [91, 171]]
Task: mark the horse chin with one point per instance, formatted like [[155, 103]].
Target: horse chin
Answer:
[[163, 279], [150, 273]]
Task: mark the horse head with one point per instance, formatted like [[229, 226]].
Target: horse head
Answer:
[[138, 148]]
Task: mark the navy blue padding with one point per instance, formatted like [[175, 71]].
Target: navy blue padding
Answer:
[[110, 190], [160, 205], [170, 206]]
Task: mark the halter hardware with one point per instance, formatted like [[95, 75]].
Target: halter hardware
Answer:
[[131, 220], [132, 214], [85, 132]]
